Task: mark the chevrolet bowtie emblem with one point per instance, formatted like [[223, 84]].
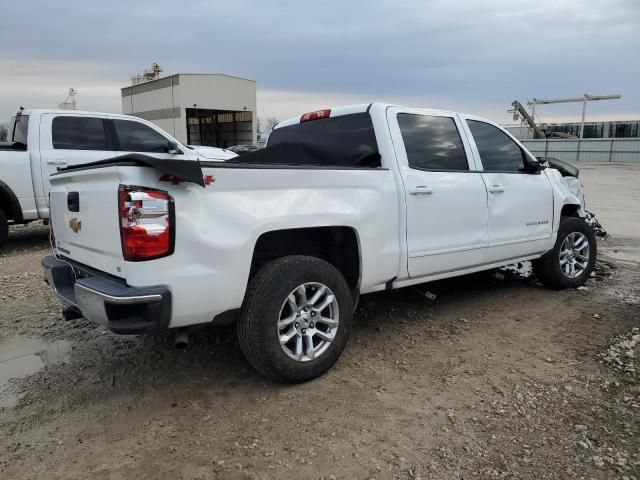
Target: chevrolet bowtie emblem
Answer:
[[75, 225]]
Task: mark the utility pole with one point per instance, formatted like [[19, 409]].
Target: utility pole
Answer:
[[584, 99]]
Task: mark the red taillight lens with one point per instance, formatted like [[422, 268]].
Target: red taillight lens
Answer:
[[317, 115], [147, 223]]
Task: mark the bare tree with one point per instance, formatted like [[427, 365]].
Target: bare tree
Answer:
[[270, 124], [4, 132]]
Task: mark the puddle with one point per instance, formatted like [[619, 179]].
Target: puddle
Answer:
[[22, 356]]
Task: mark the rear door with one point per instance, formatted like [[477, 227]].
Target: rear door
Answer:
[[70, 140], [520, 201], [446, 199]]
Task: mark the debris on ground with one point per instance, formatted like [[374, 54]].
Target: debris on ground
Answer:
[[520, 270], [595, 224], [427, 294], [622, 352]]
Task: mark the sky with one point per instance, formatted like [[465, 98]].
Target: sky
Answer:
[[475, 56]]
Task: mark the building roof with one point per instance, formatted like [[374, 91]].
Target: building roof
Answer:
[[187, 75]]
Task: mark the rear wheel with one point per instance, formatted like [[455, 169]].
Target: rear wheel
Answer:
[[572, 259], [4, 228], [296, 318]]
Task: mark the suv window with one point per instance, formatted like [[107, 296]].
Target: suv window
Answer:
[[432, 143], [78, 133], [138, 137], [498, 152]]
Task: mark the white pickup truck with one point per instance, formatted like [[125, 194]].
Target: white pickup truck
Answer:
[[40, 141], [283, 241]]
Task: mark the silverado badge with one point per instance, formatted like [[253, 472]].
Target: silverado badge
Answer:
[[75, 225]]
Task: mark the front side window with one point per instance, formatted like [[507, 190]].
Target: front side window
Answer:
[[138, 137], [432, 143], [498, 152], [78, 133]]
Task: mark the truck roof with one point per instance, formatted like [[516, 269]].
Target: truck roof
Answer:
[[350, 109], [40, 111]]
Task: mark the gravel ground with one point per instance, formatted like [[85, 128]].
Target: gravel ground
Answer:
[[495, 378]]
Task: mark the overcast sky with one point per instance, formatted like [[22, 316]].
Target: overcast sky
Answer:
[[472, 56]]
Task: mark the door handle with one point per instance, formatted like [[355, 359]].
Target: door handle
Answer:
[[496, 189], [420, 190], [57, 162]]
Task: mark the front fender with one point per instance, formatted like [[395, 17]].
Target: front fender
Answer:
[[567, 191]]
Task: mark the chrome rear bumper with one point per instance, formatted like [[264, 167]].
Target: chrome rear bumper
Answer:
[[108, 301]]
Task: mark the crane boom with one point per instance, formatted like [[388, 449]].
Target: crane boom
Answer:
[[540, 101], [528, 119]]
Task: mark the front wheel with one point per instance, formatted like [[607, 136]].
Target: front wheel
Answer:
[[572, 259], [296, 318]]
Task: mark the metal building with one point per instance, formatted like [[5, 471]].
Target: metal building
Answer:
[[197, 109]]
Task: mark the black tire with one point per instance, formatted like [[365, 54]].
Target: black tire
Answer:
[[548, 269], [4, 228], [257, 327]]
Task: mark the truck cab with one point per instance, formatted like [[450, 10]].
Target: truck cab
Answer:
[[41, 141]]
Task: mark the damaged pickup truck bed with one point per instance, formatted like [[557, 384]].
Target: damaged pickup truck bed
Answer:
[[283, 241]]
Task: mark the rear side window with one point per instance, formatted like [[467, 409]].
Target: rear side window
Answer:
[[19, 129], [498, 152], [432, 143], [78, 133], [138, 137], [354, 132]]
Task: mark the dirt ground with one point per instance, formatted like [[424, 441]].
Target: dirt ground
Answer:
[[495, 378]]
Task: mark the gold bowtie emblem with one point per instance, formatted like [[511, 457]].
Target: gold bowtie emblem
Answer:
[[75, 225]]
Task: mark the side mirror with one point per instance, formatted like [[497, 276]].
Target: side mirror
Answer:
[[535, 166], [532, 164], [172, 147]]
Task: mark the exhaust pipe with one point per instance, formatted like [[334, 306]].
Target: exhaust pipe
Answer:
[[182, 339]]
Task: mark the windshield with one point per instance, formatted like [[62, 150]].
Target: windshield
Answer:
[[18, 129], [353, 132]]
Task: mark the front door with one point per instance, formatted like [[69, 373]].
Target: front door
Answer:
[[520, 201], [446, 199]]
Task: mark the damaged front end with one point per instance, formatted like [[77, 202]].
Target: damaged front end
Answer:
[[570, 178]]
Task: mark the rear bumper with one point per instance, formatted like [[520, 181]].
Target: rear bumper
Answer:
[[107, 301]]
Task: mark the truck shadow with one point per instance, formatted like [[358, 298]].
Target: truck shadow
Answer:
[[26, 237]]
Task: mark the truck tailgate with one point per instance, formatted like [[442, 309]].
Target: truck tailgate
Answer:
[[84, 217]]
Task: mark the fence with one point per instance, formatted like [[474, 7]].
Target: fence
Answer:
[[613, 150]]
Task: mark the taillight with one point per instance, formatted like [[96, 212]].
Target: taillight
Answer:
[[317, 115], [147, 223]]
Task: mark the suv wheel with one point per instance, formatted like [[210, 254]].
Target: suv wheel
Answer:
[[573, 257], [4, 228], [296, 318]]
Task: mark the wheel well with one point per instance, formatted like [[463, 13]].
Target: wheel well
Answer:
[[9, 204], [336, 245], [569, 210]]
